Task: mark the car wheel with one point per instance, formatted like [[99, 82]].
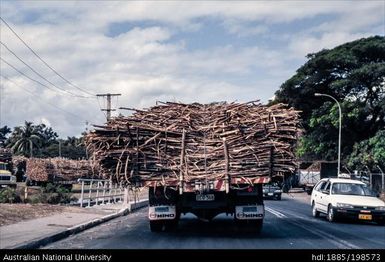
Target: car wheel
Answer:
[[315, 212], [331, 215], [278, 197]]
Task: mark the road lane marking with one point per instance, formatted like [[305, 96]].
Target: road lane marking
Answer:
[[275, 212], [339, 242], [335, 240]]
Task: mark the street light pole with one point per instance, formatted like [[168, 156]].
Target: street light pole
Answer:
[[339, 131]]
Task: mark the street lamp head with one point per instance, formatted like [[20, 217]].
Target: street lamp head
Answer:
[[317, 94]]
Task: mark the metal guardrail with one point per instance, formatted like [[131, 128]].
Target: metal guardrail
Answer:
[[99, 191]]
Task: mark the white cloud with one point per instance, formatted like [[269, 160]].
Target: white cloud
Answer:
[[150, 62], [241, 29], [300, 46], [45, 121]]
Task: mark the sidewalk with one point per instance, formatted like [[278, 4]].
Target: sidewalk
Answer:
[[41, 231]]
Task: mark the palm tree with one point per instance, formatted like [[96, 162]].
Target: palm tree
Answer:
[[24, 138]]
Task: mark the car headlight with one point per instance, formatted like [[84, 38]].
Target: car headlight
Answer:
[[13, 178], [381, 208], [264, 191], [343, 205], [278, 191]]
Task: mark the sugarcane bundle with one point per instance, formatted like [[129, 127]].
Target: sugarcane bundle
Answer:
[[59, 169], [197, 142]]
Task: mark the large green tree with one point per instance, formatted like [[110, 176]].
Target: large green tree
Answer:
[[42, 141], [353, 73], [28, 140]]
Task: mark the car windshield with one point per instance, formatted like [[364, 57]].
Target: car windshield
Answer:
[[350, 189]]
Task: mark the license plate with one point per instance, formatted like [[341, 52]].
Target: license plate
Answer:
[[250, 209], [365, 217], [205, 197], [161, 209], [270, 194]]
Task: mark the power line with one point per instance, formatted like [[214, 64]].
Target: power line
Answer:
[[53, 105], [43, 61], [34, 80], [37, 73]]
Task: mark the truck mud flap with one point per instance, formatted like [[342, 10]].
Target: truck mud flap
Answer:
[[250, 212]]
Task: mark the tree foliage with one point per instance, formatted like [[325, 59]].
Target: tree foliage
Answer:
[[27, 139], [4, 131], [353, 73], [44, 142], [370, 152]]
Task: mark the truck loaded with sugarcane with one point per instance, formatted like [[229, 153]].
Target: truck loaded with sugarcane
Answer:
[[204, 159]]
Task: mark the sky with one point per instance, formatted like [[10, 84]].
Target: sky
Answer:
[[149, 51]]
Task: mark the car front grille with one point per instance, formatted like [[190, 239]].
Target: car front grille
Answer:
[[365, 207], [5, 178]]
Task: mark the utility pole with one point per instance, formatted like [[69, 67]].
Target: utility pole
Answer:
[[108, 109], [83, 138], [339, 131]]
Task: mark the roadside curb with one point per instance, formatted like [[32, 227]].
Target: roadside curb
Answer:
[[37, 243]]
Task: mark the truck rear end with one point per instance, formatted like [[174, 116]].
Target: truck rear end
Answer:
[[204, 159], [241, 199]]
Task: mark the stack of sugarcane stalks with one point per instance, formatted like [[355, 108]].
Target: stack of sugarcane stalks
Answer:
[[174, 141], [59, 169]]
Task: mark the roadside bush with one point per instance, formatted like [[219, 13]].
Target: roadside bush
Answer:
[[9, 195], [52, 194]]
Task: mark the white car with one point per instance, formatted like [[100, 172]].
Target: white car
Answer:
[[338, 197]]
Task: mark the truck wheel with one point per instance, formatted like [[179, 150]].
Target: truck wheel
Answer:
[[171, 225], [249, 226], [258, 226], [156, 226]]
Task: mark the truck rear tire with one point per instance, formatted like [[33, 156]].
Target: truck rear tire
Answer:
[[250, 226], [156, 226], [259, 226], [171, 225]]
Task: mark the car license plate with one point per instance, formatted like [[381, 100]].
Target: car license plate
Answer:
[[365, 217], [270, 194], [205, 197]]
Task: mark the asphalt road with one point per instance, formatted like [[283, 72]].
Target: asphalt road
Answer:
[[288, 224]]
